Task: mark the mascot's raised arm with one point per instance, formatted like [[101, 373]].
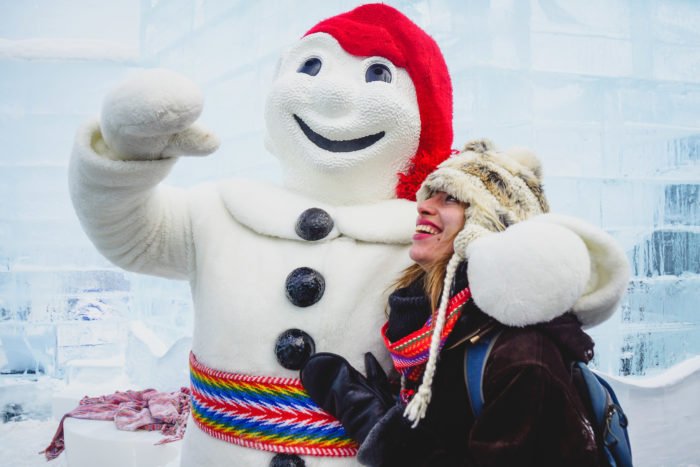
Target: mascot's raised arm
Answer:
[[359, 112]]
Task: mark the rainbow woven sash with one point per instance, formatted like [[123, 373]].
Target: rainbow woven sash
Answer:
[[410, 354], [266, 413]]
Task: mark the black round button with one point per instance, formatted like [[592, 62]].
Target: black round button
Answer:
[[293, 348], [305, 286], [314, 224], [287, 460]]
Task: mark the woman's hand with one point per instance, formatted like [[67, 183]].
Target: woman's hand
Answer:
[[358, 402]]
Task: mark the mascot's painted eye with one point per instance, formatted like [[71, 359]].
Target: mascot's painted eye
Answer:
[[378, 72], [311, 67]]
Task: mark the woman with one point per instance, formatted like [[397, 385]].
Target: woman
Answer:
[[483, 271]]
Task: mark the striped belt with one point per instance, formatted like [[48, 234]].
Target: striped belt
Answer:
[[266, 413]]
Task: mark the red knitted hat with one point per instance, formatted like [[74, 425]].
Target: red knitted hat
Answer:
[[381, 30]]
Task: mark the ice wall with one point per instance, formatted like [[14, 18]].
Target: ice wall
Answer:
[[59, 299], [606, 92]]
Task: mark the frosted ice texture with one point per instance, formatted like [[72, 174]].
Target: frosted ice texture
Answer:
[[607, 93]]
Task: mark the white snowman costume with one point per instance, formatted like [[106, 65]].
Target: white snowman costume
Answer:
[[271, 282]]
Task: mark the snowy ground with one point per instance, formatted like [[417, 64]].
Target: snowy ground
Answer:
[[20, 443]]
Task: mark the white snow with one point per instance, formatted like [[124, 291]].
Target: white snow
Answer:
[[21, 442], [89, 442], [664, 415], [619, 152], [67, 49], [671, 377], [660, 408]]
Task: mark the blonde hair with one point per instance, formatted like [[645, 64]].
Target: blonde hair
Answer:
[[432, 279]]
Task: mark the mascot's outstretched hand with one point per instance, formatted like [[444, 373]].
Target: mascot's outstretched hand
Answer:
[[151, 116]]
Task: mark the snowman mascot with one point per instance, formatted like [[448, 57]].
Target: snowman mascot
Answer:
[[359, 112]]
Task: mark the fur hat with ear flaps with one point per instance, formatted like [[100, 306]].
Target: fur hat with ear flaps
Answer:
[[499, 189], [531, 272]]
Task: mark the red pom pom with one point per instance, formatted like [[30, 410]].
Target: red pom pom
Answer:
[[411, 180]]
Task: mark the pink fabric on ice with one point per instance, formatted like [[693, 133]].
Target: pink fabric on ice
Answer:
[[147, 410]]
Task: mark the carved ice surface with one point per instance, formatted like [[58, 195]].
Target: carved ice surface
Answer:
[[615, 125], [607, 93]]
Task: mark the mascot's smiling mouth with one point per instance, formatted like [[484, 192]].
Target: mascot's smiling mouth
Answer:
[[338, 146]]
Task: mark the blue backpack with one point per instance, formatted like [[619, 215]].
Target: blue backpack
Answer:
[[610, 424]]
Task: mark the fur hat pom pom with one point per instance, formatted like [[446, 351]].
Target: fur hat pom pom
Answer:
[[479, 145], [526, 158]]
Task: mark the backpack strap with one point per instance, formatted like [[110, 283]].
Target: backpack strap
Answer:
[[475, 357], [610, 421]]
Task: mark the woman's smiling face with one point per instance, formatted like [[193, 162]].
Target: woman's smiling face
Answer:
[[440, 219]]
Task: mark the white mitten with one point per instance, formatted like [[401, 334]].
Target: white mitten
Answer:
[[151, 116], [530, 273]]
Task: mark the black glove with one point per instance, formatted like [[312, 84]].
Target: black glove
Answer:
[[358, 402], [370, 414]]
